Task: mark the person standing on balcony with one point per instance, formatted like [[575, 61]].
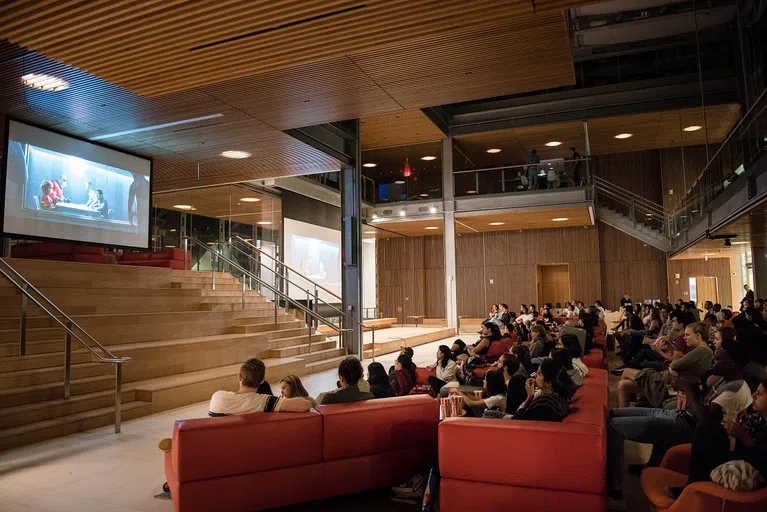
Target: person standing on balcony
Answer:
[[748, 297], [575, 158], [532, 168]]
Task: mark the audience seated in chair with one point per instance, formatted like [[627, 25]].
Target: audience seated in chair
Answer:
[[349, 375], [378, 380], [446, 370], [402, 375], [291, 387], [551, 400]]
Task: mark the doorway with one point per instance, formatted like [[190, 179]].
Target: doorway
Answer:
[[553, 284], [703, 288]]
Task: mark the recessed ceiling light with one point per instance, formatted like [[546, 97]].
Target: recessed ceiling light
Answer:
[[171, 231], [249, 199], [183, 206], [369, 164], [560, 219], [433, 209], [170, 246], [648, 214], [431, 227], [399, 182], [693, 128], [375, 216], [424, 195], [264, 222], [44, 82], [370, 232], [738, 243], [471, 191], [493, 150], [235, 154], [553, 143], [402, 213], [624, 135], [497, 223], [428, 158]]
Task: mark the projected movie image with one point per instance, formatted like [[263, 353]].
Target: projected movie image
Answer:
[[63, 194], [315, 252]]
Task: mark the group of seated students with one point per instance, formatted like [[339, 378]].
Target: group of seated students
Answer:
[[690, 376]]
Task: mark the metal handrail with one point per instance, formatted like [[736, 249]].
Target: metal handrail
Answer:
[[271, 288], [24, 287], [633, 204], [299, 274], [285, 279], [517, 166], [648, 204]]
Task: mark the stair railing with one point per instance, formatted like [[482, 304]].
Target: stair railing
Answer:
[[30, 293], [639, 210], [313, 316]]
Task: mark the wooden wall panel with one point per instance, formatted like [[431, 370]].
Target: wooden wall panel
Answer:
[[410, 275], [714, 267], [680, 167], [638, 172], [629, 265]]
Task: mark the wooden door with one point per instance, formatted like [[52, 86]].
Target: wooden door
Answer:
[[707, 289], [553, 284]]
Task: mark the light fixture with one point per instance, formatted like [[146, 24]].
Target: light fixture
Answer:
[[44, 82], [402, 212], [553, 143], [497, 223], [739, 243], [264, 222], [183, 206], [433, 209], [170, 246], [648, 214], [369, 164], [471, 191], [249, 199], [428, 158], [493, 150], [171, 231], [624, 135], [235, 154], [424, 195], [431, 227], [370, 232], [378, 220], [399, 182], [693, 128], [406, 170], [560, 219], [375, 216], [156, 127]]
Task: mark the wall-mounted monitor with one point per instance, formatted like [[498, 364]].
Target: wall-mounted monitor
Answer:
[[315, 252], [65, 188]]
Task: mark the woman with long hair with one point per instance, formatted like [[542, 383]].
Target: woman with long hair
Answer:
[[446, 370], [551, 401], [379, 381], [489, 333], [402, 375], [495, 388], [291, 387]]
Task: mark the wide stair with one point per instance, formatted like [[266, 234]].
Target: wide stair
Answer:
[[186, 341]]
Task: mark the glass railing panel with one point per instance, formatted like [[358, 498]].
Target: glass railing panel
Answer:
[[522, 178]]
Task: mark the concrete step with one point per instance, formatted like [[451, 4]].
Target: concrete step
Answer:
[[24, 378], [324, 364], [302, 349], [267, 324], [30, 362], [20, 435], [321, 355]]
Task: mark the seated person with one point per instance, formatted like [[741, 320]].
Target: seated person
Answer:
[[542, 344], [653, 384], [47, 197], [487, 334], [570, 311], [247, 399], [349, 375], [379, 381], [523, 354], [551, 401], [446, 370], [572, 326], [546, 314], [727, 396], [101, 205], [402, 375], [458, 348], [562, 357], [573, 347], [291, 387], [711, 442], [58, 186], [92, 195], [495, 387]]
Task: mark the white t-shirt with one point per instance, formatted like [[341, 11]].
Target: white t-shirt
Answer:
[[225, 403], [498, 401]]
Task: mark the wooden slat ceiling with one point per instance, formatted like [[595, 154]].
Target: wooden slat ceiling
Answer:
[[540, 218], [225, 202], [398, 129], [155, 47], [651, 130]]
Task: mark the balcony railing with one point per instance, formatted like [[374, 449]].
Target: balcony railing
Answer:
[[519, 178]]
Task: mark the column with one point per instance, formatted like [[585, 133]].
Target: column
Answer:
[[759, 261], [351, 246], [448, 206]]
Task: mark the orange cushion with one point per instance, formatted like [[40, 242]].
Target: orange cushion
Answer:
[[654, 482], [422, 376]]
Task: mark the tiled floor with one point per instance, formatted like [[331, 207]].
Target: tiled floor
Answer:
[[98, 471]]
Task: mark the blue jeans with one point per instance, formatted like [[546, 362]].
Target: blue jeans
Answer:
[[661, 428]]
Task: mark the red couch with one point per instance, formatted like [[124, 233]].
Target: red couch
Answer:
[[259, 461], [533, 465], [169, 258], [60, 251]]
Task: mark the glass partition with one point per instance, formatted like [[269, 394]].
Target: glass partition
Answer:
[[403, 173]]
